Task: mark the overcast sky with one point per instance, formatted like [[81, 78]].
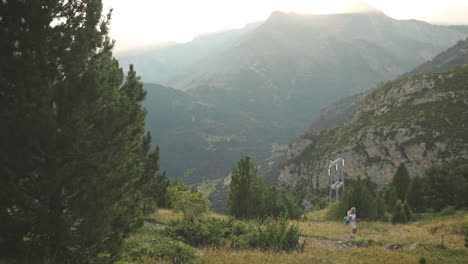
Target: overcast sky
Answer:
[[140, 23]]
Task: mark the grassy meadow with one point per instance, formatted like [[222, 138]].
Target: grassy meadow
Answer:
[[328, 242]]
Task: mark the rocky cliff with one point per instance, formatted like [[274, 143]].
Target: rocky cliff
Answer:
[[420, 120]]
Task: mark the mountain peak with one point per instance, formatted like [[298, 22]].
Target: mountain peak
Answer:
[[359, 6], [352, 6]]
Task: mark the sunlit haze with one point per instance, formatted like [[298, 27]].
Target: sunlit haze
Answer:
[[143, 23]]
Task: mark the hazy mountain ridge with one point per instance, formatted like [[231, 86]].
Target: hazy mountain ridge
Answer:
[[418, 120], [161, 64], [255, 92], [456, 55]]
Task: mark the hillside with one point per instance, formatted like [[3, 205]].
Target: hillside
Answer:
[[418, 120], [456, 55], [193, 134]]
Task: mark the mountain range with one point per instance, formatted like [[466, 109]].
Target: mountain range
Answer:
[[252, 91]]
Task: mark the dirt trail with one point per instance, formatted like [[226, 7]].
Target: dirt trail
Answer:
[[342, 244], [327, 242]]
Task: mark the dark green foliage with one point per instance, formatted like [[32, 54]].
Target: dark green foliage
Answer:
[[401, 212], [447, 184], [279, 203], [407, 210], [209, 232], [278, 236], [149, 242], [76, 168], [390, 197], [422, 260], [248, 197], [160, 190], [294, 211], [245, 191], [362, 195], [415, 195], [401, 182], [198, 232], [336, 211], [449, 210]]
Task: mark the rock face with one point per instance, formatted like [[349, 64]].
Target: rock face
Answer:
[[419, 121]]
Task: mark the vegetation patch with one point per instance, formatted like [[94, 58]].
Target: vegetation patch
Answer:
[[149, 243]]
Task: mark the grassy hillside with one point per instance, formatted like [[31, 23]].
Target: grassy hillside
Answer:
[[328, 242]]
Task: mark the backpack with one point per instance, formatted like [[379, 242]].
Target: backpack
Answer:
[[345, 220]]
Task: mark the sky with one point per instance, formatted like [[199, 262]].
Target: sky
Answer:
[[138, 24]]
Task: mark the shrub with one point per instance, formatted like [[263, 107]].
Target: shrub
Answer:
[[211, 232], [190, 203], [422, 260], [278, 236], [198, 232], [149, 242], [401, 212], [336, 211], [449, 210]]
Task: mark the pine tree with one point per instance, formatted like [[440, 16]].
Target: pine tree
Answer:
[[74, 158], [401, 181], [390, 198], [160, 190], [416, 194], [245, 191], [446, 184], [361, 194]]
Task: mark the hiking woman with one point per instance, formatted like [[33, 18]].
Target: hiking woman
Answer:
[[353, 221]]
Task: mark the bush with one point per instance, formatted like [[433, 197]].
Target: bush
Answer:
[[336, 211], [149, 242], [278, 236], [195, 232], [210, 232], [422, 260], [190, 203], [401, 212], [449, 210]]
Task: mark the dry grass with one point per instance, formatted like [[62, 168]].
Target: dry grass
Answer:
[[314, 253], [166, 215]]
